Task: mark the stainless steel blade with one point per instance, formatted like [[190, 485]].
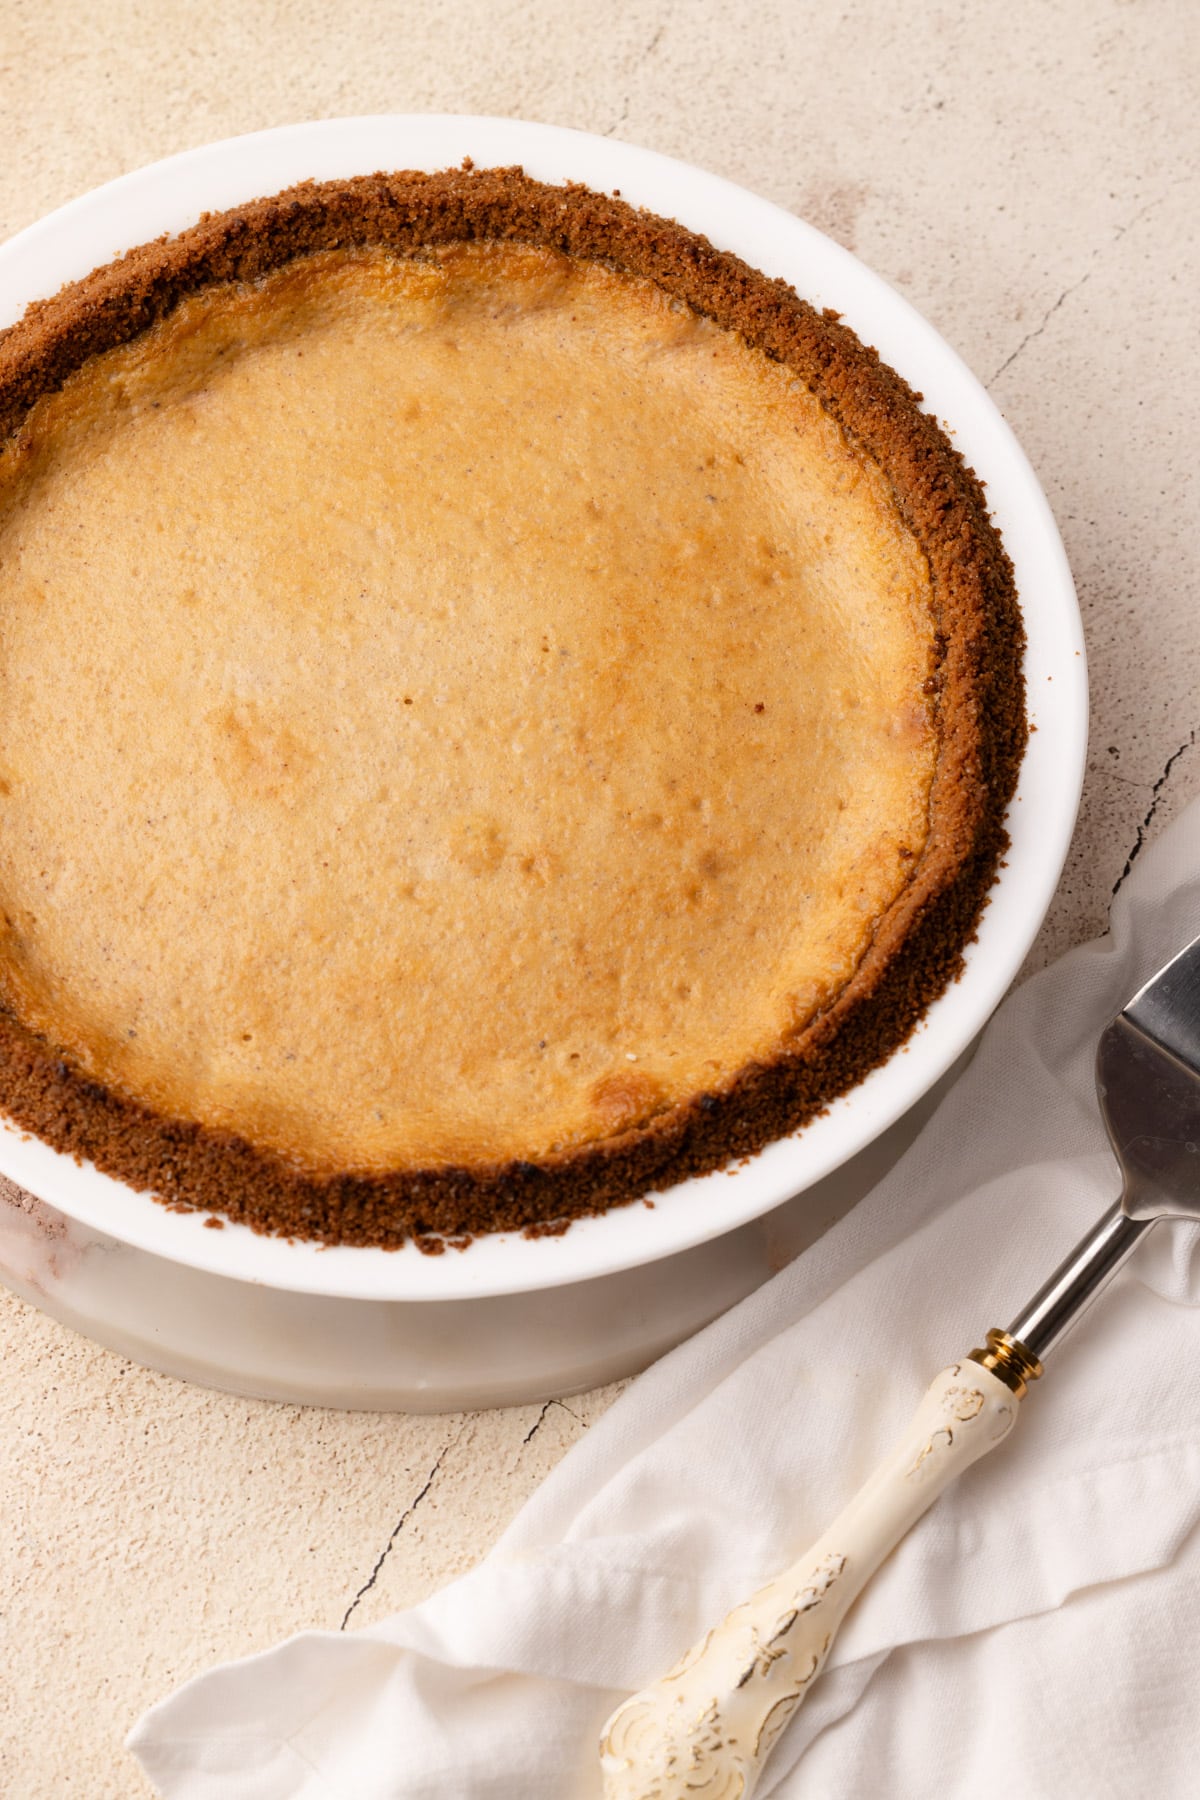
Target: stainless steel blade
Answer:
[[1148, 1081]]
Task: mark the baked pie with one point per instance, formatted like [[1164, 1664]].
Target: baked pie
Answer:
[[502, 707]]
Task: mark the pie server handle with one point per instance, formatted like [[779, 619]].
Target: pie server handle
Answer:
[[705, 1731], [707, 1728]]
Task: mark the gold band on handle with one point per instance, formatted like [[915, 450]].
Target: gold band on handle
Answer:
[[1008, 1359]]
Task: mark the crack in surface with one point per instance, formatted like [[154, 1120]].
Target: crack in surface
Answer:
[[541, 1419], [1038, 329], [401, 1522], [1156, 793], [618, 122], [627, 103], [1075, 286]]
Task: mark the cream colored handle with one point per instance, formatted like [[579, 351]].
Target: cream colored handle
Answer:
[[704, 1731]]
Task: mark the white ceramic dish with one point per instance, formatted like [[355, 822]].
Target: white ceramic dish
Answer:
[[171, 195]]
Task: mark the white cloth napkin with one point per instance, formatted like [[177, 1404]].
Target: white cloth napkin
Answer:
[[1037, 1634]]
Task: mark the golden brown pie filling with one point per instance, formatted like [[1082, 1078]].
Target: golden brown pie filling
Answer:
[[458, 711]]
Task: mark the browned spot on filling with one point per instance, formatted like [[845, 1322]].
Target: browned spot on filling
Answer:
[[624, 1099]]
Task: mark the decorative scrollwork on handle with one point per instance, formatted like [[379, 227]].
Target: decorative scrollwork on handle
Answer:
[[706, 1729]]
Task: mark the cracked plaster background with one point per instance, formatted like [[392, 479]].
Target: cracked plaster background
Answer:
[[1027, 175]]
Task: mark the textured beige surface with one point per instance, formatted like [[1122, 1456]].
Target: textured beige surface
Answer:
[[1026, 174]]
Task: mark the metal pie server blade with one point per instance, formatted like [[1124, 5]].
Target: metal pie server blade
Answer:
[[1148, 1080], [1148, 1083]]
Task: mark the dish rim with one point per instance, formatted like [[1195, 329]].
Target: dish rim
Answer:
[[168, 196]]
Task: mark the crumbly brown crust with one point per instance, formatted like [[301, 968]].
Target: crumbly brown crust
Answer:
[[917, 948]]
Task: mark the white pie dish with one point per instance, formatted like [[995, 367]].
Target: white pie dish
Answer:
[[171, 195]]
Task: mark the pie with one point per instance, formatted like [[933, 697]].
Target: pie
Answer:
[[502, 707]]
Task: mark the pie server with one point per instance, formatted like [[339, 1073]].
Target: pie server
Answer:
[[705, 1731]]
